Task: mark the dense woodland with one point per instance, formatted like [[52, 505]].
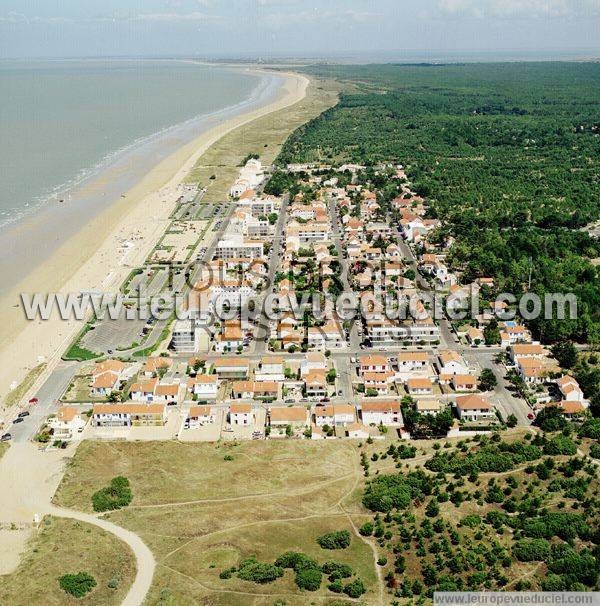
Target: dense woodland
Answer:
[[508, 156]]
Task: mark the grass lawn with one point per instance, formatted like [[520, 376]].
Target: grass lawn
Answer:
[[64, 546], [264, 136], [4, 446], [201, 514]]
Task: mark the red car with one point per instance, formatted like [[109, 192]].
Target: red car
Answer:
[[531, 416], [33, 401]]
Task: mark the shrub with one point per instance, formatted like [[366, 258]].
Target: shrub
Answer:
[[295, 560], [595, 451], [77, 584], [534, 550], [335, 540], [366, 530], [471, 521], [114, 496], [309, 578], [251, 569], [355, 589], [387, 492], [590, 429], [433, 509], [336, 586], [560, 445], [335, 570]]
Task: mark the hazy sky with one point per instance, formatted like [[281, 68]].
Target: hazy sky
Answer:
[[30, 28]]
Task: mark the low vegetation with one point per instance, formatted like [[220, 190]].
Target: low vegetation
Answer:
[[49, 570], [77, 584], [114, 496]]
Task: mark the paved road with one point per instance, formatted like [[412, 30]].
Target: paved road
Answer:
[[503, 399], [339, 244], [48, 396], [263, 331]]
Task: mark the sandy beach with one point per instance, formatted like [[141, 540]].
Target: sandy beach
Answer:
[[96, 259]]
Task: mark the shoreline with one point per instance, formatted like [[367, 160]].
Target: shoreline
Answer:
[[91, 262], [93, 189]]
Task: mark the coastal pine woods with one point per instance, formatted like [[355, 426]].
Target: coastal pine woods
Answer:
[[507, 154]]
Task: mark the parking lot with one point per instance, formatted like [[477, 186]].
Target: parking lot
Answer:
[[112, 335]]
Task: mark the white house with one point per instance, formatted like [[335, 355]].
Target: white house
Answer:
[[357, 431], [67, 423], [569, 389], [241, 414], [381, 413], [128, 415], [419, 386], [324, 416], [271, 369], [316, 384], [412, 361], [205, 386], [374, 363], [428, 407], [450, 362], [231, 368], [105, 383], [313, 361], [344, 414], [198, 416], [474, 408], [296, 416], [143, 391]]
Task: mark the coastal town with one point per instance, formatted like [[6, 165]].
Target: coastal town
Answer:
[[325, 353], [299, 234]]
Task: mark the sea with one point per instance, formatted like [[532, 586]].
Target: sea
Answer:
[[66, 124], [61, 121]]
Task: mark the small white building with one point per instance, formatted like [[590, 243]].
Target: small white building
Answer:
[[474, 408], [357, 431], [381, 413], [450, 362], [199, 416], [271, 369], [241, 414], [205, 386], [67, 423], [324, 416]]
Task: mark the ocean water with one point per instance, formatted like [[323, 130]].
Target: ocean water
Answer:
[[62, 121], [75, 136]]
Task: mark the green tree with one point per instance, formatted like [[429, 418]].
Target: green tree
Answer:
[[565, 353], [487, 380]]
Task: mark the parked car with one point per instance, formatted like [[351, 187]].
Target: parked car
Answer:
[[25, 413], [5, 437], [531, 416], [18, 420]]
